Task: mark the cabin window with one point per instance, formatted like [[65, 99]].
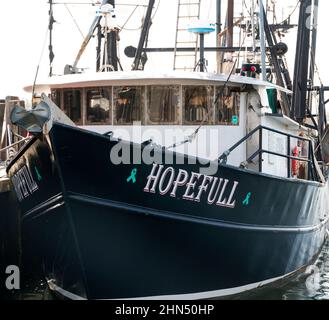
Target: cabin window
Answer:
[[56, 97], [98, 106], [128, 104], [227, 106], [198, 102], [163, 104], [72, 105]]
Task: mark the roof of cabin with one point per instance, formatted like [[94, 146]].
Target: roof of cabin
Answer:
[[96, 79]]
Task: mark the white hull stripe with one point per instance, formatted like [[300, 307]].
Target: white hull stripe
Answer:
[[191, 296], [64, 293]]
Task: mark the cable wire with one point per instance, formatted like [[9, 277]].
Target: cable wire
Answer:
[[75, 22]]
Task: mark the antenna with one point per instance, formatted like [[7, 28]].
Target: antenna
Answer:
[[201, 28]]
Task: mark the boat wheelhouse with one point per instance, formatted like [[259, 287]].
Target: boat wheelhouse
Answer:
[[169, 107]]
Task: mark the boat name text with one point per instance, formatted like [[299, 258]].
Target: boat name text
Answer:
[[24, 183], [219, 191]]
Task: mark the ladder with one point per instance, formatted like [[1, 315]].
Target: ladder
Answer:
[[188, 10]]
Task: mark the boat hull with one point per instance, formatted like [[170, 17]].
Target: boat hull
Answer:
[[102, 232]]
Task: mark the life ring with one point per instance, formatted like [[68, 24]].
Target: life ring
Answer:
[[294, 162]]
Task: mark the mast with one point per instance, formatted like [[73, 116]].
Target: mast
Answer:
[[99, 47], [230, 14], [218, 19], [143, 37], [271, 40], [202, 59], [313, 52], [218, 30], [314, 41], [50, 27], [301, 72], [112, 54], [226, 64], [262, 39]]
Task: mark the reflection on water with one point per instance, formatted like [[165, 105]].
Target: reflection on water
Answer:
[[316, 285], [33, 290], [311, 285]]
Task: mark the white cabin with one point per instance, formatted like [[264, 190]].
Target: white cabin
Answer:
[[169, 107]]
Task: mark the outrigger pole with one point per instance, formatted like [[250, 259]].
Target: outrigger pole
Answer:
[[272, 43], [143, 37], [50, 27], [111, 57], [262, 38], [218, 30], [92, 28], [302, 62]]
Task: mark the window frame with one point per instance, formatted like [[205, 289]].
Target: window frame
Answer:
[[142, 106], [237, 104], [110, 100], [210, 105], [81, 90], [177, 107]]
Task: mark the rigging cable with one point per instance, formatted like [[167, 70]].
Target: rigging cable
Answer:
[[39, 62], [293, 11], [123, 27], [75, 22], [316, 69], [139, 28]]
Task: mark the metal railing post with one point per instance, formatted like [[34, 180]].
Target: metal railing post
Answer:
[[289, 161], [259, 153], [261, 150]]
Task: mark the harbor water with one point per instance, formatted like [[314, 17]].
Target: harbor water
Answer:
[[313, 284]]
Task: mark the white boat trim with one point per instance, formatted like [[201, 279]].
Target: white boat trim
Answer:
[[146, 78], [191, 296], [52, 286]]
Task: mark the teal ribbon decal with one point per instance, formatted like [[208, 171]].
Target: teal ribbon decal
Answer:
[[132, 176], [38, 174], [246, 201], [235, 120]]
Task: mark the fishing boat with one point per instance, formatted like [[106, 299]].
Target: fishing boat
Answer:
[[174, 185], [10, 142]]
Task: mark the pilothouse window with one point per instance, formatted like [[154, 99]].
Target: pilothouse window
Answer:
[[72, 105], [128, 104], [56, 97], [227, 106], [98, 105], [198, 102], [163, 104]]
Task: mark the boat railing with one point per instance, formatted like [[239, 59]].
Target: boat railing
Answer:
[[11, 149], [310, 159]]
